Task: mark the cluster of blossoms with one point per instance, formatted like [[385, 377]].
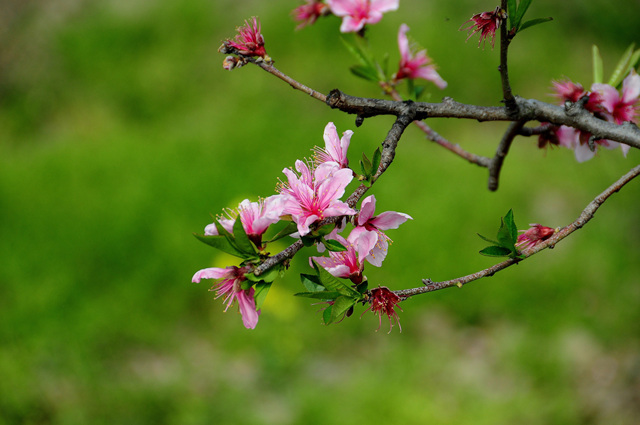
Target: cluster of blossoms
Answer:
[[605, 102], [311, 194], [355, 14]]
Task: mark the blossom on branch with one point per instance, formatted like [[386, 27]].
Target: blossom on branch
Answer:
[[621, 107], [415, 65], [384, 302], [335, 149], [347, 264], [486, 23], [248, 42], [536, 234], [356, 14], [308, 13], [315, 195], [367, 223], [229, 285]]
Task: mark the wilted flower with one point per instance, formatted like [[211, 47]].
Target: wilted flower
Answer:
[[248, 42], [309, 12], [356, 14], [335, 149], [486, 23], [367, 223], [229, 285], [311, 197], [536, 234], [383, 302], [415, 65]]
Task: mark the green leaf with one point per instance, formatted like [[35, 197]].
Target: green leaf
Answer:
[[308, 240], [522, 9], [626, 62], [332, 283], [375, 163], [289, 229], [488, 240], [365, 164], [340, 307], [496, 251], [242, 240], [511, 225], [597, 65], [532, 22], [312, 282], [333, 245], [261, 291], [359, 53], [326, 315], [268, 276], [324, 295], [508, 233], [417, 92], [365, 72], [512, 7], [221, 243]]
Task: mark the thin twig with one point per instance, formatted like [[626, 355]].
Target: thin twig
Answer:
[[509, 100], [293, 83], [586, 215], [501, 153]]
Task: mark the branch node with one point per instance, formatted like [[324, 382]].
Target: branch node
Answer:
[[427, 282], [359, 120]]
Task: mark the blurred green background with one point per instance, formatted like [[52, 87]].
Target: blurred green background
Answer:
[[120, 133]]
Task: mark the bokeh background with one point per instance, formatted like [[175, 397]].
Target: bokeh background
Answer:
[[120, 133]]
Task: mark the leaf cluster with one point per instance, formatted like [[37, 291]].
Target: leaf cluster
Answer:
[[505, 245]]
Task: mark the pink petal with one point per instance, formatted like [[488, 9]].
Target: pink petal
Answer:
[[608, 94], [350, 24], [333, 188], [378, 253], [429, 73], [390, 220], [341, 7], [247, 305], [631, 88], [384, 5], [403, 43], [363, 241], [212, 273], [367, 209], [583, 153]]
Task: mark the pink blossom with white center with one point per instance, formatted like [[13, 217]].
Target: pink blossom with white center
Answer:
[[368, 223], [229, 285], [310, 201], [415, 65], [356, 14], [621, 107], [350, 263], [335, 149], [256, 217]]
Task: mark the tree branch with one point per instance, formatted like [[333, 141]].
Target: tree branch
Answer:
[[509, 100], [586, 215], [501, 153]]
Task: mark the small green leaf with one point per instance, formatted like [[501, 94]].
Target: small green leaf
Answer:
[[242, 240], [308, 240], [417, 92], [358, 52], [522, 9], [597, 65], [512, 7], [221, 243], [333, 245], [332, 283], [261, 291], [340, 307], [626, 62], [362, 287], [511, 225], [324, 230], [366, 165], [326, 315], [496, 251], [365, 72], [488, 240], [532, 22], [290, 228], [375, 163], [324, 295], [312, 282]]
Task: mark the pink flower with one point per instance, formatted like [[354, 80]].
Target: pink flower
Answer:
[[384, 302], [347, 264], [622, 107], [256, 217], [486, 23], [248, 42], [309, 200], [367, 223], [415, 65], [356, 14], [309, 12], [335, 149], [536, 234], [229, 285]]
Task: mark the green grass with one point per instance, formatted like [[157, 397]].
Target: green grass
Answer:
[[121, 134]]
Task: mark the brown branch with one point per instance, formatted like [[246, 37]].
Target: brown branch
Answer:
[[293, 83], [501, 153], [586, 215], [509, 100]]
